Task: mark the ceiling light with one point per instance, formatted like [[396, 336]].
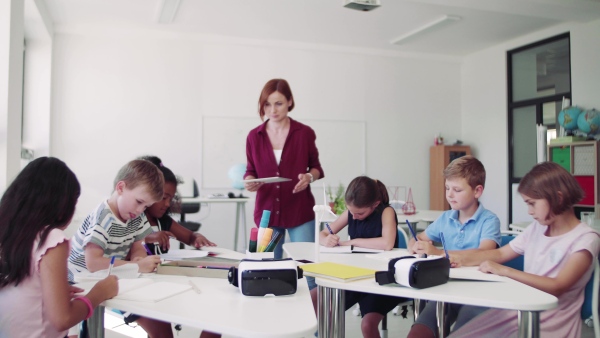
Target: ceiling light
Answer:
[[167, 9], [435, 24]]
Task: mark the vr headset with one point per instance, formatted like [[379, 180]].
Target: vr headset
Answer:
[[418, 273], [278, 277]]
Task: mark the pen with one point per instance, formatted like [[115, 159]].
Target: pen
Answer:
[[274, 241], [444, 245], [412, 232], [147, 250], [331, 232], [112, 263]]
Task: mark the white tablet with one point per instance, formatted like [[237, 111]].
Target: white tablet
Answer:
[[268, 180]]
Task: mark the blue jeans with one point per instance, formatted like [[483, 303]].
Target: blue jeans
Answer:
[[302, 233]]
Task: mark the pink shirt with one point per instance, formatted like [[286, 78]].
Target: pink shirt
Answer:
[[22, 313], [544, 256]]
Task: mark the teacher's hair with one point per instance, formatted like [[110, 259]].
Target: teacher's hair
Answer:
[[274, 85], [41, 198]]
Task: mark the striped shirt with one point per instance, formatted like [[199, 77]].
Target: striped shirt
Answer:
[[104, 229]]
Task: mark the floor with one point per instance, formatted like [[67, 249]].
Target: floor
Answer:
[[397, 327]]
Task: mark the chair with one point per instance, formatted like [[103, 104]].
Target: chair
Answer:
[[188, 188], [507, 236]]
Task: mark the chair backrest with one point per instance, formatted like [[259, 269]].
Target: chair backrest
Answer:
[[402, 239], [516, 263], [188, 187], [589, 309]]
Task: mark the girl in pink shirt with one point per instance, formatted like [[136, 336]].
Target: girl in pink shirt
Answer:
[[558, 249], [34, 211]]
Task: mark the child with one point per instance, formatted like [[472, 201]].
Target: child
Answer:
[[159, 218], [34, 211], [117, 227], [558, 249], [372, 223], [467, 226]]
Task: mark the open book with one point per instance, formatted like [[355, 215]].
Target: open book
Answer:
[[473, 273], [335, 271], [142, 289], [347, 249]]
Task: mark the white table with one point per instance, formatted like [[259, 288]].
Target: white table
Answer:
[[428, 216], [503, 295], [240, 212], [221, 308]]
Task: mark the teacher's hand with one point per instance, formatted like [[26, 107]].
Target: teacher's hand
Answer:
[[253, 186], [304, 181]]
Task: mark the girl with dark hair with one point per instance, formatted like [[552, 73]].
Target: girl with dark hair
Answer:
[[34, 211], [158, 215], [371, 224]]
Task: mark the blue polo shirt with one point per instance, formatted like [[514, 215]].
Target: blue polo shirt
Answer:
[[484, 224]]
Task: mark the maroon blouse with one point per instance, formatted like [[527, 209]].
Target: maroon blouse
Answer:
[[299, 155]]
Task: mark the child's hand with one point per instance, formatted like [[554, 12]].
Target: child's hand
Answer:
[[493, 267], [109, 286], [148, 264], [201, 241], [74, 290], [160, 237], [331, 240], [455, 259], [424, 247]]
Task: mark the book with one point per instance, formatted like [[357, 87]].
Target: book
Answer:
[[336, 271], [176, 254], [347, 249], [142, 289], [473, 273]]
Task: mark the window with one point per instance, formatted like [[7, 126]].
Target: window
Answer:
[[539, 76]]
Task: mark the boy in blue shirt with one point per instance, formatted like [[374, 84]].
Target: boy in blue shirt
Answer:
[[467, 226]]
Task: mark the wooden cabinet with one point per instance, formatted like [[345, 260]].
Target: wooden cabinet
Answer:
[[439, 158], [581, 160]]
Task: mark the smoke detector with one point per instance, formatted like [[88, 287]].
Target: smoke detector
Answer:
[[362, 5]]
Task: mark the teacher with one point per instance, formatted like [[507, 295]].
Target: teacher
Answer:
[[286, 148]]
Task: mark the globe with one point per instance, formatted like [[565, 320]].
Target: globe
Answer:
[[236, 175], [589, 122], [568, 117]]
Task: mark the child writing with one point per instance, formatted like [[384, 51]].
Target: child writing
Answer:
[[34, 210], [372, 223], [467, 226], [558, 253], [117, 227], [160, 219]]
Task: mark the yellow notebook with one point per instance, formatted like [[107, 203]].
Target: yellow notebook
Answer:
[[335, 271]]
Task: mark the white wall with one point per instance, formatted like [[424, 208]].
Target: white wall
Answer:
[[115, 98], [484, 108]]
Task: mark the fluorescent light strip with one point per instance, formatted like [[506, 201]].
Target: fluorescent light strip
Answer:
[[167, 10], [437, 23]]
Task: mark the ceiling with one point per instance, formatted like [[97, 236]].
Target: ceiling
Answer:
[[483, 23]]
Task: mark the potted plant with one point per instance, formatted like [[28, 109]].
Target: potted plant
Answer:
[[336, 201]]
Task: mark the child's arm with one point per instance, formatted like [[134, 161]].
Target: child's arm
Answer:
[[138, 255], [161, 238], [189, 237], [326, 238], [63, 312], [475, 257], [389, 232], [575, 268], [95, 260]]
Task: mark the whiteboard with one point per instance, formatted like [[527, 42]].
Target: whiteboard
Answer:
[[341, 145]]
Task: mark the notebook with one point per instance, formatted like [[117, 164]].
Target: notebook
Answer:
[[338, 272], [473, 273], [142, 289], [347, 249]]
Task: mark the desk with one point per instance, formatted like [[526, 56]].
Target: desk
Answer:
[[510, 295], [221, 308], [421, 216], [240, 212]]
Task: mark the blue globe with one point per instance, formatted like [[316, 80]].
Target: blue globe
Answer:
[[568, 117], [589, 122], [236, 175]]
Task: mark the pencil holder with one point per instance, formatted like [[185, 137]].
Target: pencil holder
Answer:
[[260, 255]]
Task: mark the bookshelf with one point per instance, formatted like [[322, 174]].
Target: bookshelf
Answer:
[[581, 160], [439, 158]]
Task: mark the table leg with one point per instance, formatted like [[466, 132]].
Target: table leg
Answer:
[[331, 312], [243, 216], [417, 307], [96, 323], [529, 324], [441, 319]]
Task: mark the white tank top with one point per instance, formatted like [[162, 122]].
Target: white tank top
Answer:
[[277, 155]]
